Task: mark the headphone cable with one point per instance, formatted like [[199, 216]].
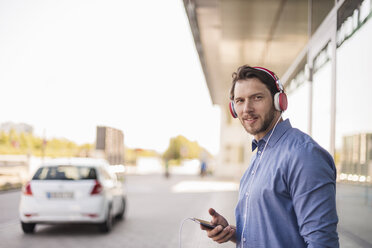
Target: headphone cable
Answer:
[[180, 235], [254, 171]]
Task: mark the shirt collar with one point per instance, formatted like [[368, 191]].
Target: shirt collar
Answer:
[[280, 129]]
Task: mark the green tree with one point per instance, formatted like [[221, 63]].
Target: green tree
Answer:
[[174, 148], [181, 148], [27, 143], [25, 140], [4, 138], [37, 143]]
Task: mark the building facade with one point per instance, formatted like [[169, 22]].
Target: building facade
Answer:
[[110, 144], [320, 49]]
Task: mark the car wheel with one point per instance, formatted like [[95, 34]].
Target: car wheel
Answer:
[[121, 214], [106, 226], [28, 227]]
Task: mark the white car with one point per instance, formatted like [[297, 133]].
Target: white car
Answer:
[[74, 190]]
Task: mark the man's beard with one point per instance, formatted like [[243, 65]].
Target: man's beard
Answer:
[[268, 119]]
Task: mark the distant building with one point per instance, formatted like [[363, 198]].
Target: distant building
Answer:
[[110, 144], [18, 127]]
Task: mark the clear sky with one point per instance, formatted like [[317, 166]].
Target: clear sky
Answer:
[[68, 66]]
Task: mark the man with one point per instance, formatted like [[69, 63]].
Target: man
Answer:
[[287, 194]]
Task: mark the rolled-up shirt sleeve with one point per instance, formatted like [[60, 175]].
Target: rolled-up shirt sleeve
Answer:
[[312, 186]]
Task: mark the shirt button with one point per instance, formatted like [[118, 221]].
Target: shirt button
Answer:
[[259, 152], [243, 239], [247, 193], [252, 172]]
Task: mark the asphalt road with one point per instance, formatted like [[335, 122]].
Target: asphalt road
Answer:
[[153, 218], [156, 209]]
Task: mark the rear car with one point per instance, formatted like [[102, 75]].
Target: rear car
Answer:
[[75, 190]]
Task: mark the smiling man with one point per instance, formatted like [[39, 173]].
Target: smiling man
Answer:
[[287, 194]]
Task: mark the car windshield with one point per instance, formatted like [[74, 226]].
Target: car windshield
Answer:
[[65, 172]]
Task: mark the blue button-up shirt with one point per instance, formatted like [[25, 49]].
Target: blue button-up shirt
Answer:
[[288, 198]]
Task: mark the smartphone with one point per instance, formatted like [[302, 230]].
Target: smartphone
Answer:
[[204, 223]]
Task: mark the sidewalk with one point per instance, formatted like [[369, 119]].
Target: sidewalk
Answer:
[[354, 208], [224, 203], [354, 211]]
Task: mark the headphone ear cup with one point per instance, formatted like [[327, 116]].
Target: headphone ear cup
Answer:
[[280, 101], [283, 101], [232, 110]]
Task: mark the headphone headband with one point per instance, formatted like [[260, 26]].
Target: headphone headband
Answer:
[[278, 84]]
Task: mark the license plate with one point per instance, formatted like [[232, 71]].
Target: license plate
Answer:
[[60, 195]]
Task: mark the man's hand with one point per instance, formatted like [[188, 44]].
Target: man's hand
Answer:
[[223, 232]]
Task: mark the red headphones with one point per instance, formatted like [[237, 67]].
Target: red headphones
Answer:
[[280, 98]]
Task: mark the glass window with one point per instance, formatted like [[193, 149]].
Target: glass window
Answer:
[[321, 111], [353, 107], [354, 133], [65, 173]]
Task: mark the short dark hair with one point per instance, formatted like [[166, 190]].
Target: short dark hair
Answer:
[[246, 71]]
